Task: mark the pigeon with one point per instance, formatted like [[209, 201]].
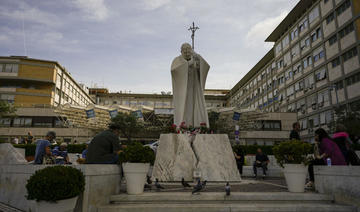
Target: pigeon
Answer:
[[227, 189], [148, 180], [184, 184], [157, 184], [199, 186]]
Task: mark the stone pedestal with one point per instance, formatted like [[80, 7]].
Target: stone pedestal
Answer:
[[178, 155]]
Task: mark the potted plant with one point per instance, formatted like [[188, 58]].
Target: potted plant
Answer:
[[293, 157], [136, 160], [55, 188]]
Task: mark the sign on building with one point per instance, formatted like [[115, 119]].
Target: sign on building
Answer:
[[164, 111], [236, 116], [113, 113], [138, 114], [90, 113]]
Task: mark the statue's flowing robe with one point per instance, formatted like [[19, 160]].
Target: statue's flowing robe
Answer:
[[188, 85]]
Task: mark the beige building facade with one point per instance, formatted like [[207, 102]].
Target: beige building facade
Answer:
[[313, 67]]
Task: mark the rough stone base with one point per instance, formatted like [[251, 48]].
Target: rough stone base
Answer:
[[10, 155], [178, 155]]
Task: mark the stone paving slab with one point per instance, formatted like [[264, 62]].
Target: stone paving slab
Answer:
[[6, 208], [246, 185]]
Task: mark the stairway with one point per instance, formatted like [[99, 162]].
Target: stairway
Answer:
[[218, 202]]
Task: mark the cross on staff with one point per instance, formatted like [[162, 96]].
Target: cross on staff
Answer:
[[193, 28]]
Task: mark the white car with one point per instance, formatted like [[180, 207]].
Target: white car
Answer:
[[153, 146]]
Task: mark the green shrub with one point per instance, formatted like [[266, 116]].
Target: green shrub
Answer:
[[55, 183], [137, 153], [293, 152], [76, 148]]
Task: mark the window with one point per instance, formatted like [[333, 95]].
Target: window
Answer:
[[349, 28], [7, 97], [335, 62], [305, 43], [281, 80], [9, 68], [290, 91], [307, 61], [309, 81], [318, 56], [349, 54], [271, 125], [330, 18], [339, 85], [297, 68], [352, 79], [294, 33], [303, 124], [326, 1], [303, 25], [295, 51], [332, 40], [316, 34], [22, 122], [343, 7], [285, 41], [43, 121], [320, 75], [280, 64], [5, 122], [323, 96], [313, 14], [278, 48], [288, 75]]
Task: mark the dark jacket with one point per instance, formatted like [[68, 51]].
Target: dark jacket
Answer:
[[103, 148], [294, 135]]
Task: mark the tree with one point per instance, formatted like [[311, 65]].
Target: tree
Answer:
[[349, 118], [6, 108], [128, 124]]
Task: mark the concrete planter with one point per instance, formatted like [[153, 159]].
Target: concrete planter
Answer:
[[66, 205], [295, 176], [135, 175]]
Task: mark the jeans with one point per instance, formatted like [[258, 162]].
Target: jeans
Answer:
[[263, 165], [311, 167], [240, 167]]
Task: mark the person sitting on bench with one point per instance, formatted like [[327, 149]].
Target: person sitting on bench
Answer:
[[262, 161]]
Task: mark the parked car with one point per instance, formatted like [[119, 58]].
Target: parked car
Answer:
[[153, 146]]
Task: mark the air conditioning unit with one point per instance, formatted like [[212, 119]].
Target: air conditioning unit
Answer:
[[314, 107], [321, 104]]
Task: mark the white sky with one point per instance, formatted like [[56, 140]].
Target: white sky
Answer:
[[129, 44]]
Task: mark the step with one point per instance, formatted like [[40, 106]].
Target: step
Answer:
[[176, 197], [248, 207]]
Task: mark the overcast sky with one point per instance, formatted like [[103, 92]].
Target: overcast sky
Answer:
[[129, 44]]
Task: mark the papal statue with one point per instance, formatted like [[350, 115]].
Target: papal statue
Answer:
[[188, 73]]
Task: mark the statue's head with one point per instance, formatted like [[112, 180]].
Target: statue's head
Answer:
[[186, 51]]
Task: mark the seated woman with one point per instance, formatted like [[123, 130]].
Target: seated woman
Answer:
[[61, 154], [324, 148]]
